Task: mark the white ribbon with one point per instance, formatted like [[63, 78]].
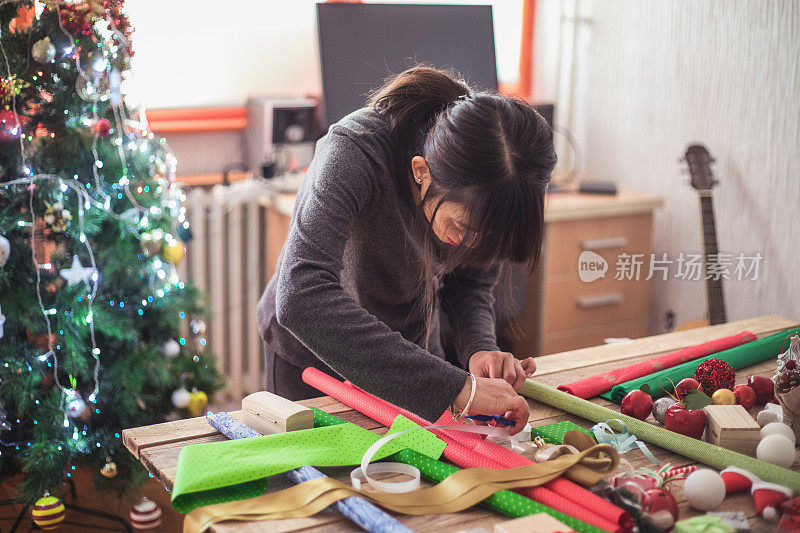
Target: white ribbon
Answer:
[[366, 468]]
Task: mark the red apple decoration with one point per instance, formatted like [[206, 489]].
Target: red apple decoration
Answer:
[[689, 423], [686, 385], [637, 404], [764, 387], [745, 396], [660, 507]]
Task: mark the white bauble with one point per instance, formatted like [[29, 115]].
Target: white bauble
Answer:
[[5, 250], [778, 428], [171, 348], [704, 490], [43, 51], [776, 449], [180, 398], [76, 407]]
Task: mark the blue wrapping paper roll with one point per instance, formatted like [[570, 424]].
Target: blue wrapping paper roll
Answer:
[[357, 510]]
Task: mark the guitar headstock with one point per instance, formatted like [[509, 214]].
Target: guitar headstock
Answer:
[[699, 161]]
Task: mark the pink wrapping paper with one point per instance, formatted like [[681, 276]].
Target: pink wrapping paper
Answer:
[[463, 450]]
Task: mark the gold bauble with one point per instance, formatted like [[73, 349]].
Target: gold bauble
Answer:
[[173, 252], [109, 470], [723, 397], [198, 400], [150, 245]]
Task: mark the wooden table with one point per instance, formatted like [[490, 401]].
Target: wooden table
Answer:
[[158, 446]]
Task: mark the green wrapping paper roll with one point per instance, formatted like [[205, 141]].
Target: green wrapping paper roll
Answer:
[[703, 452], [739, 357], [503, 501]]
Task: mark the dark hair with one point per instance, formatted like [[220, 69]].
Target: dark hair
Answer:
[[489, 153]]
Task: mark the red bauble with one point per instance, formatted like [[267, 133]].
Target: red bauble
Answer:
[[714, 374], [764, 387], [745, 396], [637, 404], [8, 125], [102, 127]]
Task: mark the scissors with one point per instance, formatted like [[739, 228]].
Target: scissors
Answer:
[[497, 419]]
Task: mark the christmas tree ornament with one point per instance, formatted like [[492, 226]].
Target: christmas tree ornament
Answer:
[[764, 387], [184, 232], [778, 428], [685, 385], [171, 348], [772, 412], [56, 217], [723, 397], [151, 245], [2, 324], [5, 251], [173, 252], [197, 326], [76, 407], [787, 385], [660, 407], [109, 469], [637, 404], [48, 512], [768, 497], [745, 396], [198, 400], [790, 517], [714, 374], [181, 398], [43, 51], [145, 515], [680, 420], [776, 449], [77, 273], [92, 89], [704, 490], [101, 127]]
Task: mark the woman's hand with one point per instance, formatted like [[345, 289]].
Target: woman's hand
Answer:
[[485, 364], [495, 396]]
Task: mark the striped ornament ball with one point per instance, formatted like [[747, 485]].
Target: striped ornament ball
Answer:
[[145, 515], [48, 512]]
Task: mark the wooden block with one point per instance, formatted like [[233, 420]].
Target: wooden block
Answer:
[[732, 427], [539, 522], [269, 413]]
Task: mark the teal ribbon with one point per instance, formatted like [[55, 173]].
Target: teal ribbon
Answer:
[[703, 524], [623, 441]]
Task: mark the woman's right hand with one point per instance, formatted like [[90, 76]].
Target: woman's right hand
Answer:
[[495, 396]]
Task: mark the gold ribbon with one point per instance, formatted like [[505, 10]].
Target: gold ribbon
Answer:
[[459, 491]]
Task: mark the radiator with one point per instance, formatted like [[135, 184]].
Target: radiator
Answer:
[[228, 259]]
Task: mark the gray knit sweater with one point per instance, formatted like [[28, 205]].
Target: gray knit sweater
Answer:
[[347, 287]]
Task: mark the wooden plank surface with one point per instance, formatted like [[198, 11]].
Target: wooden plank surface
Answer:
[[158, 446]]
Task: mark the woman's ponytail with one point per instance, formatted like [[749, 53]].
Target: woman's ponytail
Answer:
[[413, 98]]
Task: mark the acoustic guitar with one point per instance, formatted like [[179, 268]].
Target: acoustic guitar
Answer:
[[699, 162]]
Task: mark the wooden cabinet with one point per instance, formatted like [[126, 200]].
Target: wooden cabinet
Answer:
[[561, 312]]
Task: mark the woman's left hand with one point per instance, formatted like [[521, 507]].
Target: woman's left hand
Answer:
[[486, 364]]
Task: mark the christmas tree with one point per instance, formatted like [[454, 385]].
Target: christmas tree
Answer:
[[98, 331]]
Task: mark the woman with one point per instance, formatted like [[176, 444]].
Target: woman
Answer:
[[408, 209]]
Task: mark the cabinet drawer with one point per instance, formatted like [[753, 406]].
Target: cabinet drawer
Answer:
[[607, 237], [571, 303], [572, 339]]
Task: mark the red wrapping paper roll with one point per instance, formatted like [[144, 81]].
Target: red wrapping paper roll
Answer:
[[590, 387], [459, 451]]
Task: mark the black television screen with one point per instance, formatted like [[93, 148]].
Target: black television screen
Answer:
[[361, 44]]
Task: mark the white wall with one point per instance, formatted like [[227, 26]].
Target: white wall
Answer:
[[727, 74], [202, 53]]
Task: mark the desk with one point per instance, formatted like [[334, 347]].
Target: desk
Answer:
[[158, 446]]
